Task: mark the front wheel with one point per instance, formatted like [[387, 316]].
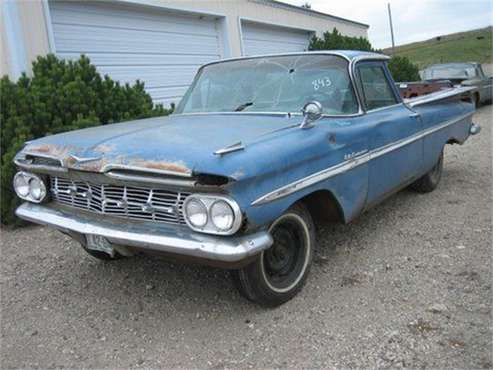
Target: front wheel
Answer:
[[430, 180], [280, 272]]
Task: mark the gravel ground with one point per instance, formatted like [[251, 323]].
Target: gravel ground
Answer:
[[408, 284]]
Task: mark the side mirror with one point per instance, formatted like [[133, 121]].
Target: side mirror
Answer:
[[312, 111]]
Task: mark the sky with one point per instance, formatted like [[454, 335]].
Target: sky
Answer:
[[414, 20]]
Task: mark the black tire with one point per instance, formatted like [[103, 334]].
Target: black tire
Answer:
[[430, 180], [280, 272]]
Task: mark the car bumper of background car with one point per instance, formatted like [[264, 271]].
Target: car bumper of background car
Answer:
[[149, 236]]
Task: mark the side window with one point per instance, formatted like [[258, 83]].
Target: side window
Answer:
[[375, 87]]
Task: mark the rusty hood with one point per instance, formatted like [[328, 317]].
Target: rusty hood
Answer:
[[181, 144]]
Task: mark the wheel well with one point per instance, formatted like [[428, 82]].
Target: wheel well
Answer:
[[476, 98], [323, 207], [453, 141]]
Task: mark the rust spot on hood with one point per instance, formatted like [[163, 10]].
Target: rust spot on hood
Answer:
[[105, 148], [56, 151], [63, 153], [95, 166]]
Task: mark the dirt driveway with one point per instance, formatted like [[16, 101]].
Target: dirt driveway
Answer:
[[408, 284]]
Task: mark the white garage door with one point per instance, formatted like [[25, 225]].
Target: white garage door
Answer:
[[128, 43], [265, 39]]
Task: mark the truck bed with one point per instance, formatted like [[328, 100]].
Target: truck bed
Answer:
[[413, 89], [453, 93]]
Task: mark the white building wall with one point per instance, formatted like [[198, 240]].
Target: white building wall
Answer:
[[261, 11], [35, 26], [24, 33]]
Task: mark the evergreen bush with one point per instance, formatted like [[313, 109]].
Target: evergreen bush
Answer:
[[60, 96], [402, 68]]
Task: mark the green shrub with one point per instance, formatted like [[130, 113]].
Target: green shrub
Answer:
[[401, 67], [60, 96], [335, 41]]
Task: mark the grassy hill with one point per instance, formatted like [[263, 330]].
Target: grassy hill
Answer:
[[470, 46]]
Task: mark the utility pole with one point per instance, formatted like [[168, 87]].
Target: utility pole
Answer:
[[391, 28]]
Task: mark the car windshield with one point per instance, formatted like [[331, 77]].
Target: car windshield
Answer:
[[272, 84], [445, 72]]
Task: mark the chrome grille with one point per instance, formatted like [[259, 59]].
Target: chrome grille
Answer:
[[120, 200]]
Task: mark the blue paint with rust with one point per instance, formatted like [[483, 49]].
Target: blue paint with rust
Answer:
[[277, 152]]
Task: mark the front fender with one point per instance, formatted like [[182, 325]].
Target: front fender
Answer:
[[323, 148], [348, 190]]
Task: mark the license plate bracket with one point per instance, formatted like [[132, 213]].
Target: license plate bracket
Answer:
[[99, 243]]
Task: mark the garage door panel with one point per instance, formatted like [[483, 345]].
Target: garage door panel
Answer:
[[167, 92], [153, 76], [130, 42], [139, 59], [116, 16], [67, 38], [267, 47], [271, 34], [266, 39]]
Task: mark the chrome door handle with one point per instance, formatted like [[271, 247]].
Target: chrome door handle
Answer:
[[414, 115]]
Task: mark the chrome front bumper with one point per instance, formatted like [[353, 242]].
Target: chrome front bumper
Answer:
[[147, 235]]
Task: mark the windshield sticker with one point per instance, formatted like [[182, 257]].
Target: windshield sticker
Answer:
[[321, 82]]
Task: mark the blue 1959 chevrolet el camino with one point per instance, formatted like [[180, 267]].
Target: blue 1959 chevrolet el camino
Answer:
[[258, 152]]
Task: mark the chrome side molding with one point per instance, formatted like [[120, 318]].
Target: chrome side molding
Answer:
[[349, 164]]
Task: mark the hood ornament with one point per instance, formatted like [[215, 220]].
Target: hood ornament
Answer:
[[231, 148], [80, 160]]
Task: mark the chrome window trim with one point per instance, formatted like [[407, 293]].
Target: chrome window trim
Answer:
[[350, 164], [317, 52], [387, 107], [376, 58], [285, 114]]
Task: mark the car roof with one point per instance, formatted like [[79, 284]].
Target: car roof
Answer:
[[349, 55]]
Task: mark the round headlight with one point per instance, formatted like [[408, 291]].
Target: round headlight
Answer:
[[21, 185], [222, 215], [37, 189], [196, 213]]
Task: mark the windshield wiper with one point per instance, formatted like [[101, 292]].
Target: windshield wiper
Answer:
[[239, 108]]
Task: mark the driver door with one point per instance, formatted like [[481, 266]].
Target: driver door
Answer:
[[394, 161]]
